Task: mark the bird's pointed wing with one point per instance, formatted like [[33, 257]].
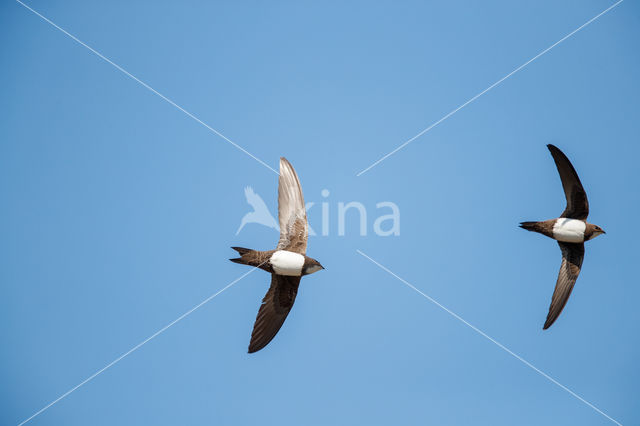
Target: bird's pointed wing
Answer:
[[577, 203], [254, 200], [274, 310], [572, 255], [291, 211]]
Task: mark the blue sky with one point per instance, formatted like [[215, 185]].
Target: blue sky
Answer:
[[118, 211]]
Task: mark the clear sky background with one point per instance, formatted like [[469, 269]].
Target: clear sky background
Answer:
[[118, 211]]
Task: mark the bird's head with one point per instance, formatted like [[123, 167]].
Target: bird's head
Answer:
[[593, 231], [310, 266]]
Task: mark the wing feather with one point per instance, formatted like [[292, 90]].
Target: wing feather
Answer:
[[572, 256], [291, 210], [577, 202], [276, 305]]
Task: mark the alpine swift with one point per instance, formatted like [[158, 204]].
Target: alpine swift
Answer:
[[571, 230], [287, 264]]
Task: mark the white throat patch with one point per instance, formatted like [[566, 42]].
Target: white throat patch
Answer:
[[287, 263], [569, 230]]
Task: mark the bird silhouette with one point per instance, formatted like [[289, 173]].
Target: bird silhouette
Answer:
[[260, 213]]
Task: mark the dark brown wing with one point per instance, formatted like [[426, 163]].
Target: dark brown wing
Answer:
[[291, 210], [577, 203], [274, 310], [572, 255]]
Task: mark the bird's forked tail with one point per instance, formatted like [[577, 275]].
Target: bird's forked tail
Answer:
[[249, 257], [529, 226], [241, 251]]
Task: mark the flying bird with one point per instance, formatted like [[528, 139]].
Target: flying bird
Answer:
[[260, 213], [287, 264], [571, 230]]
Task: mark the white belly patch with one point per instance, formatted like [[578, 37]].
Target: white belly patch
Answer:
[[569, 230], [287, 263]]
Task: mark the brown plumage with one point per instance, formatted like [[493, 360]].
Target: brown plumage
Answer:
[[292, 213], [577, 202], [282, 262], [276, 305], [258, 259], [571, 230], [544, 227], [572, 255]]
